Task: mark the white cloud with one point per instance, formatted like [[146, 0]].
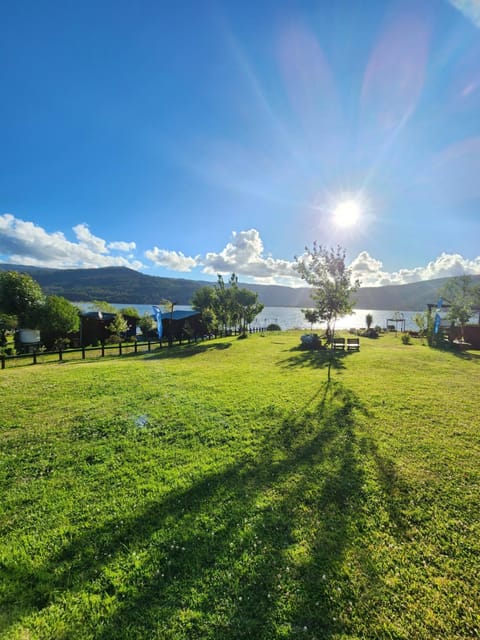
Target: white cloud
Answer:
[[88, 240], [173, 260], [469, 8], [244, 256], [371, 273], [26, 243], [122, 246]]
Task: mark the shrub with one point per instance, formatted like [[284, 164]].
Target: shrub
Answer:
[[370, 333], [310, 341], [406, 338], [274, 327], [61, 344]]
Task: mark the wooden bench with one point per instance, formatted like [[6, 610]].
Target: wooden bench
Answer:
[[339, 343], [353, 344]]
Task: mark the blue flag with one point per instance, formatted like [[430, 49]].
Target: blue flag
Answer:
[[436, 325], [157, 314]]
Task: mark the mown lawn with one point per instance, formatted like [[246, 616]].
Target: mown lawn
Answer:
[[225, 490]]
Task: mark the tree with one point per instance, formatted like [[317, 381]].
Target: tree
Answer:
[[460, 294], [103, 306], [223, 303], [131, 312], [147, 324], [369, 320], [203, 301], [203, 298], [20, 296], [57, 318], [248, 308], [325, 270], [311, 316], [226, 304], [118, 326]]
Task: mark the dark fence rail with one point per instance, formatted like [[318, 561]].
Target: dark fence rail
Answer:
[[83, 353], [102, 350]]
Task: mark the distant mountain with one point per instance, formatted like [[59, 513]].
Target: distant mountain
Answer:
[[122, 285]]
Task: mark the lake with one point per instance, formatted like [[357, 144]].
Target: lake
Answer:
[[293, 318]]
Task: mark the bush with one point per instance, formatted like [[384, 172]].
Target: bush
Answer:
[[406, 338], [370, 333], [310, 341], [60, 344], [274, 327]]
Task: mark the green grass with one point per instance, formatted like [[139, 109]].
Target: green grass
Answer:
[[226, 490]]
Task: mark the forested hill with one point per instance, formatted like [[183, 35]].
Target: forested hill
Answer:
[[122, 285]]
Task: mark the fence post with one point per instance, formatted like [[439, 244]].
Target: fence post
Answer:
[[83, 353], [34, 357], [103, 349], [3, 361], [119, 348], [60, 355], [135, 347]]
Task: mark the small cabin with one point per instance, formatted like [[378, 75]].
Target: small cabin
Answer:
[[182, 325], [93, 327]]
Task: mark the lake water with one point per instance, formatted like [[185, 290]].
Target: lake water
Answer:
[[293, 318]]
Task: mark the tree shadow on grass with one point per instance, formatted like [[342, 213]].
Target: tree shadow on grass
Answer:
[[465, 355], [316, 359], [185, 350], [252, 550]]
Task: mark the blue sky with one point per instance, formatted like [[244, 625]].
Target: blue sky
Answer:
[[194, 138]]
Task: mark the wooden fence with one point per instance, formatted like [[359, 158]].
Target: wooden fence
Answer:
[[82, 353]]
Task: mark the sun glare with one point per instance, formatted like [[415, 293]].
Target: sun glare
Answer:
[[346, 213]]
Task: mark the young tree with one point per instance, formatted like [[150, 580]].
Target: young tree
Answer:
[[222, 303], [203, 298], [369, 320], [460, 294], [20, 296], [132, 312], [311, 316], [118, 326], [421, 319], [147, 324], [103, 306], [57, 318], [203, 301], [325, 270], [248, 308], [226, 304]]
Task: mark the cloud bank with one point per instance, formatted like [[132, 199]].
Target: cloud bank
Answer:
[[371, 273], [25, 243]]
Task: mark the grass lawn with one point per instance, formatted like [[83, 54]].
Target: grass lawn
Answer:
[[225, 490]]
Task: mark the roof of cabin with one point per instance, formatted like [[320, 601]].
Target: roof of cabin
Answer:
[[179, 314]]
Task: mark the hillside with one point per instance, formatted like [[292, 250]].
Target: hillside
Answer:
[[122, 285]]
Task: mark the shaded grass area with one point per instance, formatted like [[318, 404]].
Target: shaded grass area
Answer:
[[229, 491]]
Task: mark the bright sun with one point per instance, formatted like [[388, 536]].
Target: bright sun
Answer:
[[347, 213]]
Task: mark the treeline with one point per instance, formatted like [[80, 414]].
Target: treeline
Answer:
[[226, 306]]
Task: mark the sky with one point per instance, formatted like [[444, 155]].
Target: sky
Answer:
[[190, 139]]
